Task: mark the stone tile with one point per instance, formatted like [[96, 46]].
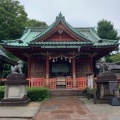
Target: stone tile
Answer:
[[49, 108], [43, 116], [79, 117], [62, 116], [63, 111], [80, 112], [65, 108]]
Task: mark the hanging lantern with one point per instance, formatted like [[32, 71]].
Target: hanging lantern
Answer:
[[53, 60], [69, 60], [65, 58], [61, 57], [56, 58]]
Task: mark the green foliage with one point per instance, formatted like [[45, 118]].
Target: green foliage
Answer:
[[2, 92], [25, 69], [88, 93], [36, 23], [6, 70], [38, 93], [105, 30], [113, 58], [13, 19]]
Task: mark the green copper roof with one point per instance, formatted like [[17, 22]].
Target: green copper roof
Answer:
[[61, 19], [60, 44], [88, 35]]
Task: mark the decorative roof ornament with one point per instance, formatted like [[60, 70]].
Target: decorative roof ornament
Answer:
[[60, 16], [60, 30]]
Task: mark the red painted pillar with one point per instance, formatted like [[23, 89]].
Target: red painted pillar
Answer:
[[29, 67], [47, 70], [74, 72]]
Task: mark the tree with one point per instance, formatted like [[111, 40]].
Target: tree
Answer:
[[36, 23], [105, 30], [13, 19], [115, 57]]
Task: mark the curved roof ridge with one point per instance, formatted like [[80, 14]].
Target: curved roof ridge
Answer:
[[61, 18], [76, 32], [25, 34], [107, 40], [84, 27], [95, 35], [45, 31]]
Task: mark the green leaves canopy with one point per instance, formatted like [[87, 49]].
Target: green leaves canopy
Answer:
[[106, 30], [36, 23], [13, 19]]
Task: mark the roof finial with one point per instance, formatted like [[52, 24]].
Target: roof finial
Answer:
[[60, 16]]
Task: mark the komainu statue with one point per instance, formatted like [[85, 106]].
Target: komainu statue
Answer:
[[17, 67], [104, 66]]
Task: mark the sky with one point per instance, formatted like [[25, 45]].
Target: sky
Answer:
[[78, 13]]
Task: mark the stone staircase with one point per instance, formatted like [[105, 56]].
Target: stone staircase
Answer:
[[66, 92]]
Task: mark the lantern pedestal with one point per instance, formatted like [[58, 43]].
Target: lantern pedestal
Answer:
[[15, 90]]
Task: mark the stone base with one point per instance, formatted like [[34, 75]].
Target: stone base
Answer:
[[15, 101], [115, 101]]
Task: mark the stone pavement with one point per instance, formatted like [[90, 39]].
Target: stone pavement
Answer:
[[64, 108], [19, 112], [61, 108]]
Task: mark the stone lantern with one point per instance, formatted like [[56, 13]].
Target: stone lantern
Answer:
[[107, 84], [15, 87]]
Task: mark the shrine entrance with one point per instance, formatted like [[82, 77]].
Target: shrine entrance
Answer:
[[61, 69]]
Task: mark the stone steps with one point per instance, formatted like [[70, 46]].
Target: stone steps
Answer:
[[66, 92]]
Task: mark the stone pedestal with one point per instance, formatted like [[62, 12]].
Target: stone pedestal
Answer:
[[107, 87], [15, 90]]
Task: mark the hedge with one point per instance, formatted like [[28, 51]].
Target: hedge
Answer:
[[38, 93], [34, 93], [2, 92]]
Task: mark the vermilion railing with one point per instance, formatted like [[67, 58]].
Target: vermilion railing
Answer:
[[36, 82], [81, 83], [52, 83], [4, 79], [69, 83]]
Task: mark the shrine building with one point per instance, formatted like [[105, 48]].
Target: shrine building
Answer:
[[60, 52]]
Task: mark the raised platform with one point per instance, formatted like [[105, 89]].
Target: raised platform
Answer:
[[66, 92]]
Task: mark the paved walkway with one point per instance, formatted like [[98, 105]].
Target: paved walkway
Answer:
[[64, 108], [61, 108]]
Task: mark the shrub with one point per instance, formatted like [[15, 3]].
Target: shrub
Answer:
[[88, 93], [38, 93], [2, 92]]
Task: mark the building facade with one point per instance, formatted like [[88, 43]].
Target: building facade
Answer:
[[60, 50]]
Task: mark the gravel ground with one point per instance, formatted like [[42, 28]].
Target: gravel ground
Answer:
[[102, 111]]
